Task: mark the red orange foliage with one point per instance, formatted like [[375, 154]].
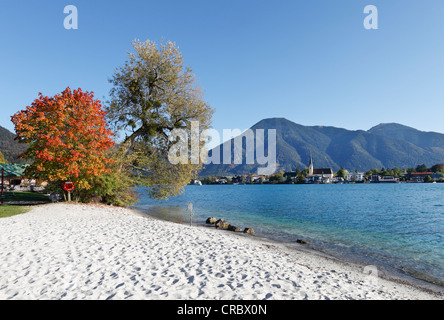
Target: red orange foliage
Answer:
[[67, 136]]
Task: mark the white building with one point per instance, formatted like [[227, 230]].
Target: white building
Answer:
[[355, 176]]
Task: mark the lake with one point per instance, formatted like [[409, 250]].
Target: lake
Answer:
[[397, 227]]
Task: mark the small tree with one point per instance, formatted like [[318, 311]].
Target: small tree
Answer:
[[67, 137], [298, 171], [280, 177], [341, 173], [2, 158], [421, 168]]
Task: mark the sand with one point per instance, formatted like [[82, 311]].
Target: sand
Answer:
[[89, 252]]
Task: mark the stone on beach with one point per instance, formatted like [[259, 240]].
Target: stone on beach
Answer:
[[221, 224], [233, 228], [249, 230], [211, 220]]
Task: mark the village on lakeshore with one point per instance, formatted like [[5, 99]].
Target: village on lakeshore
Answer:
[[15, 180], [311, 175]]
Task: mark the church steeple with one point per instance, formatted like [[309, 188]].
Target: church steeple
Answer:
[[310, 166]]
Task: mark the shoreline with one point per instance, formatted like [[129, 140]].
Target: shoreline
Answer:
[[366, 243], [77, 251], [385, 269], [387, 272]]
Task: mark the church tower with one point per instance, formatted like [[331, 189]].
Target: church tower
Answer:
[[310, 166]]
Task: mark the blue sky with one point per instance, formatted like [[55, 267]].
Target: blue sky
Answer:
[[311, 62]]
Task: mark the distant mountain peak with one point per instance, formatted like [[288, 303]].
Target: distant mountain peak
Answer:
[[386, 145], [391, 125]]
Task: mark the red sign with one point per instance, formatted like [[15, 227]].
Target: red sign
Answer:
[[68, 186]]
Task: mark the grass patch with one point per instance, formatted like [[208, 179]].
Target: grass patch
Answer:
[[9, 211]]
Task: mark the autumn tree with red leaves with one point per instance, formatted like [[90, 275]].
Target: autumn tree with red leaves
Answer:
[[68, 137]]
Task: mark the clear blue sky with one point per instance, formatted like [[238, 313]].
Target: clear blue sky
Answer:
[[311, 62]]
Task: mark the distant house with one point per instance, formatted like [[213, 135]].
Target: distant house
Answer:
[[383, 179], [355, 176], [322, 175], [390, 179], [14, 176], [196, 183], [419, 176], [253, 179], [13, 173]]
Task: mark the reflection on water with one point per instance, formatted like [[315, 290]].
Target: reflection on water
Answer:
[[176, 214]]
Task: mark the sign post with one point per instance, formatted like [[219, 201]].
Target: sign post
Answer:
[[68, 187]]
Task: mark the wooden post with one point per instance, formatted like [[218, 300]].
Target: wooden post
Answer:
[[3, 179], [190, 209]]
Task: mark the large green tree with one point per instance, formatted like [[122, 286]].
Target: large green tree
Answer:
[[154, 93]]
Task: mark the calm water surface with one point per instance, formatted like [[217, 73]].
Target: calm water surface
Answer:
[[397, 226]]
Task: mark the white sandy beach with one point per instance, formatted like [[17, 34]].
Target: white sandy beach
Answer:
[[62, 251]]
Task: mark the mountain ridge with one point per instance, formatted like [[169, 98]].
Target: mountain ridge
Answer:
[[385, 145], [10, 148]]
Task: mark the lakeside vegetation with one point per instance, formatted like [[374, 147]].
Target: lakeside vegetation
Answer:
[[299, 176]]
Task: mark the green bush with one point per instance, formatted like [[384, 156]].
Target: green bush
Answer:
[[116, 188]]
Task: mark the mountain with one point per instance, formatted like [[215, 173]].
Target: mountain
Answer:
[[431, 141], [10, 148], [386, 145]]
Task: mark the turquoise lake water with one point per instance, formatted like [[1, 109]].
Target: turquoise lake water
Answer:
[[396, 226]]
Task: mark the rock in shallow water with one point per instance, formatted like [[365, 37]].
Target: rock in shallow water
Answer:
[[222, 224], [211, 220], [234, 228]]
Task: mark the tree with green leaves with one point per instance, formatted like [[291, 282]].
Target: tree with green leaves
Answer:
[[2, 158], [437, 168], [153, 93], [298, 171], [280, 176], [341, 173], [422, 168]]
